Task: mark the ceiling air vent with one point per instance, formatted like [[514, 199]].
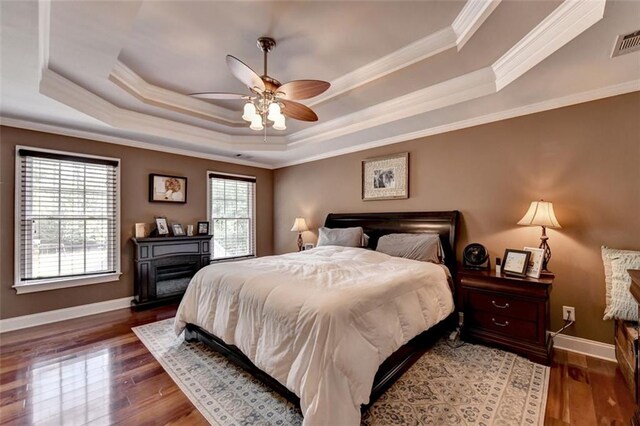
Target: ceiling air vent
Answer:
[[626, 43]]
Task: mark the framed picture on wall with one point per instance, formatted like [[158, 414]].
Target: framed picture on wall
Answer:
[[386, 178], [167, 189]]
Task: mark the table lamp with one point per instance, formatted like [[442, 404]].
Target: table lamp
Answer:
[[541, 213], [300, 226]]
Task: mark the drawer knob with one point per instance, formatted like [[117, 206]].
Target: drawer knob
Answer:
[[500, 324], [505, 306]]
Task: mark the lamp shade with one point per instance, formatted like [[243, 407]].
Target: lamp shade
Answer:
[[256, 123], [249, 111], [300, 225], [540, 213]]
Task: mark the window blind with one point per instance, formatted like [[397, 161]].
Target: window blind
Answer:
[[232, 215], [68, 215]]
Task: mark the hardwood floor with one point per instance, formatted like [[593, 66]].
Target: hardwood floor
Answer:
[[94, 370]]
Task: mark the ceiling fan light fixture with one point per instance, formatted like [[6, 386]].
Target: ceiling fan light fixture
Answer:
[[268, 96], [279, 123], [249, 111], [274, 111], [256, 123]]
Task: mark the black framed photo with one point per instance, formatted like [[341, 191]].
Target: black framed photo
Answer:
[[167, 189], [515, 262], [203, 228], [162, 226], [177, 229]]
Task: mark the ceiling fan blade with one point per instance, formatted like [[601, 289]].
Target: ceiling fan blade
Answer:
[[298, 111], [303, 89], [245, 74], [218, 95]]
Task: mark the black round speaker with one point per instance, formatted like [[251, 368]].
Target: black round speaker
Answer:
[[475, 256]]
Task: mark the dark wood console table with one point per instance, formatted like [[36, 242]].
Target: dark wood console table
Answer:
[[635, 292], [165, 265]]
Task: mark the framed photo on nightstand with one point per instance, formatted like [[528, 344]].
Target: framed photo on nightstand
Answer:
[[516, 262], [535, 261]]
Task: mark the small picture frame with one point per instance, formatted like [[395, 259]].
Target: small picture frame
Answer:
[[203, 227], [515, 262], [178, 230], [308, 246], [167, 189], [162, 226], [534, 269]]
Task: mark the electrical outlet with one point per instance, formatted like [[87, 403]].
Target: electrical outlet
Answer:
[[568, 313]]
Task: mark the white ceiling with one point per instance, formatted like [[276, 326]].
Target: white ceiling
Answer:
[[119, 71]]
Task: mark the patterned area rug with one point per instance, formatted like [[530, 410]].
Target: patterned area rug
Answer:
[[470, 385]]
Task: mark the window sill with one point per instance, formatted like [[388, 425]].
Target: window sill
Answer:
[[55, 284]]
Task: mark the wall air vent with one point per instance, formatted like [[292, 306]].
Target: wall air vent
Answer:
[[626, 43]]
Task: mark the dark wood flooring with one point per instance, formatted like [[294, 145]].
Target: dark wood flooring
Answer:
[[94, 370]]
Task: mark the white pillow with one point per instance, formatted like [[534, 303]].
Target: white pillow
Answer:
[[608, 255], [622, 304], [345, 237]]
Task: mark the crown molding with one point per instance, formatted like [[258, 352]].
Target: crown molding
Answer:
[[470, 18], [408, 55], [67, 92], [565, 23], [463, 88], [569, 20], [578, 98], [55, 129], [592, 95], [136, 86]]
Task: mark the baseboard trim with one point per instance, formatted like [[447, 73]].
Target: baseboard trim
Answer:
[[48, 317], [586, 347]]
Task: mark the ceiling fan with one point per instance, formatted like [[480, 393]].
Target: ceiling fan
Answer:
[[270, 100]]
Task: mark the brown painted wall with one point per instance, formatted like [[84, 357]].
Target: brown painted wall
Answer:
[[585, 158], [136, 164]]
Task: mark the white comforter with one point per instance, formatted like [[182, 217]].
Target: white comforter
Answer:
[[319, 321]]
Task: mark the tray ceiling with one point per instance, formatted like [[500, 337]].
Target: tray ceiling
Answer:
[[120, 71]]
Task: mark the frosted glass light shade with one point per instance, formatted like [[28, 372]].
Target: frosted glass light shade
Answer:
[[249, 111], [300, 225], [256, 123], [279, 123], [274, 112], [540, 213]]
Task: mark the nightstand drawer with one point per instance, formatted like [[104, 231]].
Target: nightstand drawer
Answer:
[[512, 327], [500, 304]]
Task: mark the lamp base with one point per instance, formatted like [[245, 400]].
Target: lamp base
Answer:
[[547, 252], [300, 242]]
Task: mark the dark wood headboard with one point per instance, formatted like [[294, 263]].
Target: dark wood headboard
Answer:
[[376, 225]]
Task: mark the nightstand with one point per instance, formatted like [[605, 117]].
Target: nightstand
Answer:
[[509, 312]]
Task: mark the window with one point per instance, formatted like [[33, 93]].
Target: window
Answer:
[[67, 220], [232, 215]]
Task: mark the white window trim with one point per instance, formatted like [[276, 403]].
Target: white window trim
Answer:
[[32, 286], [253, 224]]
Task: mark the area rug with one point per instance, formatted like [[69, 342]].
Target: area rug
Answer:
[[469, 385]]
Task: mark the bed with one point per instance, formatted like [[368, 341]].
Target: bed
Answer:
[[332, 328]]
